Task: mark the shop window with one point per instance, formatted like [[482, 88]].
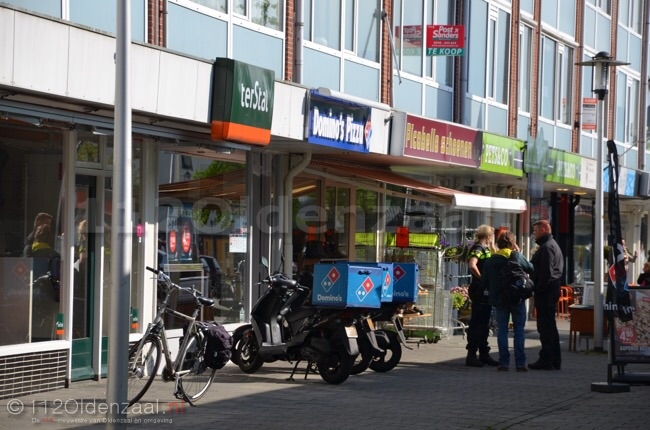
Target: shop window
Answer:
[[30, 248]]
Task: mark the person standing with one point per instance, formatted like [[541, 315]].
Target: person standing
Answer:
[[493, 282], [478, 330], [548, 266]]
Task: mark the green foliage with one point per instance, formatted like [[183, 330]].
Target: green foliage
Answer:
[[217, 167]]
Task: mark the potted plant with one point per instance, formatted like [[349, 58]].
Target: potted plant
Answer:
[[459, 297]]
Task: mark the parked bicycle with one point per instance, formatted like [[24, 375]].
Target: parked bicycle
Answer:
[[189, 371]]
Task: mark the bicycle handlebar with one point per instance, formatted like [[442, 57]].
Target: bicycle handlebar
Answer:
[[165, 278]]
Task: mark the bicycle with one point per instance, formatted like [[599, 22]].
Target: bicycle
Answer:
[[188, 370]]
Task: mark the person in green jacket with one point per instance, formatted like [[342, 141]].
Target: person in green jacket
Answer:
[[493, 282]]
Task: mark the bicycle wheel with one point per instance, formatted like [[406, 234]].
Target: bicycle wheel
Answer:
[[143, 365], [196, 376]]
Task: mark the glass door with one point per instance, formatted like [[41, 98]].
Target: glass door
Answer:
[[85, 261]]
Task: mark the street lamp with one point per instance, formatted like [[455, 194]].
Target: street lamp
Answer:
[[600, 63]]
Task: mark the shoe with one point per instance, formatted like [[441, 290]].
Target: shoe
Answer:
[[472, 361], [557, 366], [502, 368], [486, 359], [522, 369], [540, 366]]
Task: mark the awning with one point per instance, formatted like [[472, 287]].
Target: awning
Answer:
[[454, 198]]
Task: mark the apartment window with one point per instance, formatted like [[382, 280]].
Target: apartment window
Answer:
[[630, 13], [627, 109], [323, 22], [525, 65], [410, 21], [362, 26], [497, 58], [556, 81], [565, 85], [605, 5], [218, 5]]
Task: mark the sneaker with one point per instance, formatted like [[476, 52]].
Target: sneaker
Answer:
[[538, 365], [472, 361], [503, 368], [486, 359], [522, 369]]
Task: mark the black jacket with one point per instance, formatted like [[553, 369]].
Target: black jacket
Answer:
[[548, 263]]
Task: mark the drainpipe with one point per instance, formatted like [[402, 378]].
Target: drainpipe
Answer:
[[643, 111], [288, 211], [299, 30]]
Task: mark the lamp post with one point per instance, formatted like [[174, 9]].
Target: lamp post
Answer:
[[600, 63]]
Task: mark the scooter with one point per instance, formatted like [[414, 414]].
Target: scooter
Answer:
[[285, 326]]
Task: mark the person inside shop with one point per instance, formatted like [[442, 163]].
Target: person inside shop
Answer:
[[505, 310], [644, 278], [478, 330], [548, 267], [42, 218], [46, 287]]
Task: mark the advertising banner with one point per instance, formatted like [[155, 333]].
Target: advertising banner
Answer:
[[632, 338]]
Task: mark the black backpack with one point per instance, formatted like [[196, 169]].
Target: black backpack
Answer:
[[218, 345], [517, 285]]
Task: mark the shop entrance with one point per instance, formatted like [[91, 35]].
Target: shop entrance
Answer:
[[87, 341]]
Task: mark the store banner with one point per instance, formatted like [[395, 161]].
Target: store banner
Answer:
[[502, 155], [338, 123], [617, 302], [564, 167], [436, 141], [242, 102], [632, 338]]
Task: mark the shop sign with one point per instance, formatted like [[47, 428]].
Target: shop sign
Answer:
[[626, 181], [242, 102], [443, 142], [502, 155], [338, 123], [564, 167], [588, 173]]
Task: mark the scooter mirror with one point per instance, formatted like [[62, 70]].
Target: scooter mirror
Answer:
[[265, 262]]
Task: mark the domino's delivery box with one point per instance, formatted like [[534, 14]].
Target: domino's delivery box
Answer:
[[387, 277], [405, 282], [343, 285]]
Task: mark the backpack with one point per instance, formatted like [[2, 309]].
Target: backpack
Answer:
[[517, 285], [218, 345]]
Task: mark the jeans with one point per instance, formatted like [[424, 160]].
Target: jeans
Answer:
[[518, 313]]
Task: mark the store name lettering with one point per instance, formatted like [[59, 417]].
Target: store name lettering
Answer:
[[566, 170], [496, 155], [429, 141], [331, 299], [255, 98], [337, 127]]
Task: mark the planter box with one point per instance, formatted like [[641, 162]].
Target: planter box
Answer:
[[343, 285], [405, 282]]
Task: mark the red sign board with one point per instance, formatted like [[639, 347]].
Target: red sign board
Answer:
[[440, 141], [445, 40]]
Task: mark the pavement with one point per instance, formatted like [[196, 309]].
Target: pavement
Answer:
[[430, 388]]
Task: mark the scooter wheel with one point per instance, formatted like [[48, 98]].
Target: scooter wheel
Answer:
[[248, 358], [391, 356]]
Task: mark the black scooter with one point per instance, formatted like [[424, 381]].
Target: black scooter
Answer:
[[285, 326]]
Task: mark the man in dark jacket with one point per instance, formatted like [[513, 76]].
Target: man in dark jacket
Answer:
[[548, 264]]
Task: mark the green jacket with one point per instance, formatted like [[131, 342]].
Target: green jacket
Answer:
[[491, 274]]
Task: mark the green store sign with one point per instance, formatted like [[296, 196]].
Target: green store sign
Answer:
[[563, 167], [502, 155]]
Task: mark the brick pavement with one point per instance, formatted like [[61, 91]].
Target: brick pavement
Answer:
[[430, 387]]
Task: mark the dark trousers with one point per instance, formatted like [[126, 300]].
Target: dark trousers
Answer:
[[548, 334], [479, 328]]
